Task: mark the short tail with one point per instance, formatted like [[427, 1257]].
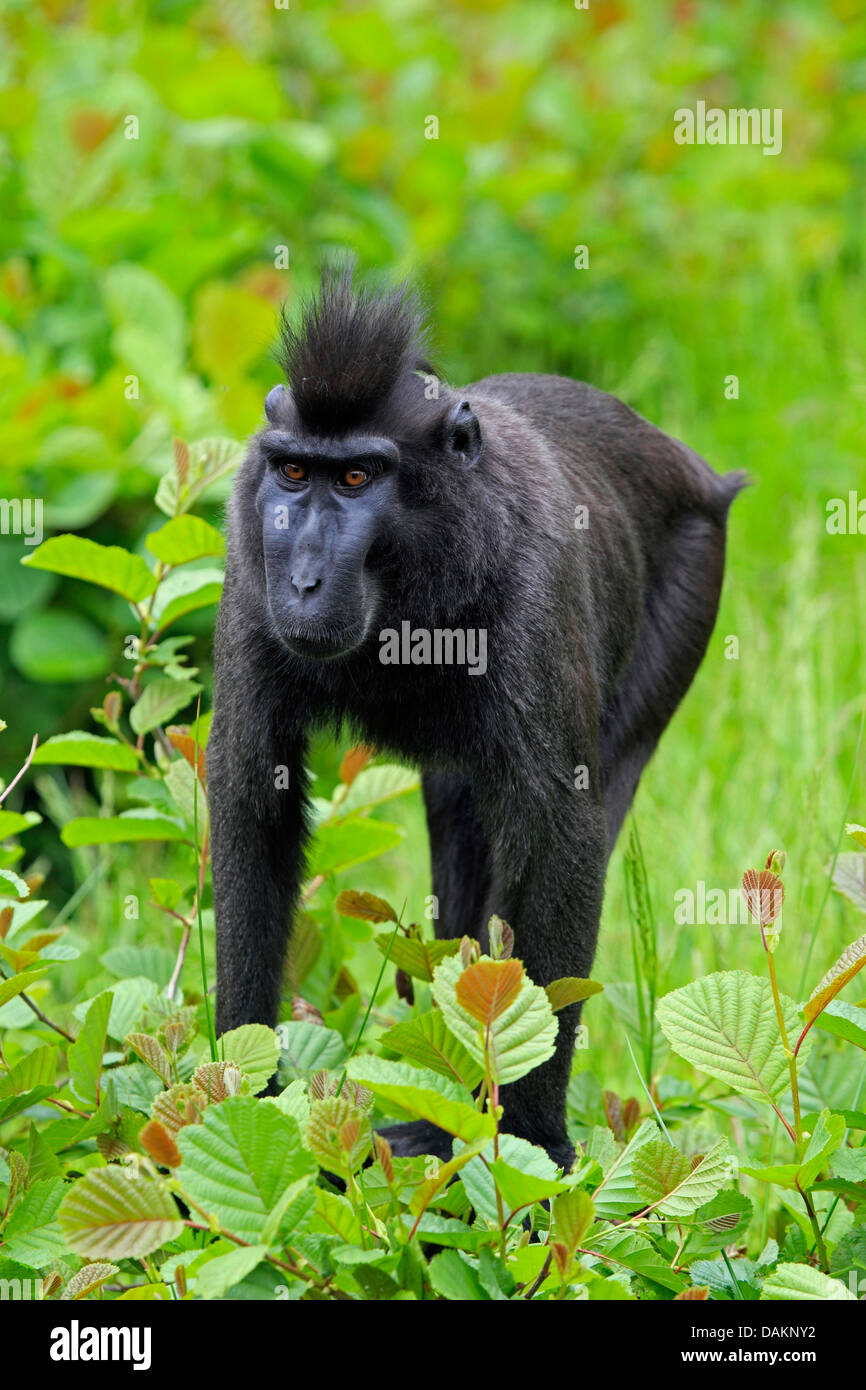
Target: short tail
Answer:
[[729, 486]]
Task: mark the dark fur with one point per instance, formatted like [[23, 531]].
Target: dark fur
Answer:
[[594, 637]]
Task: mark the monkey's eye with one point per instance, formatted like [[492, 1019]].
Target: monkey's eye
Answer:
[[355, 477], [295, 472]]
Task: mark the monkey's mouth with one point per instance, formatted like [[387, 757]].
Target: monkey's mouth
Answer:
[[323, 641]]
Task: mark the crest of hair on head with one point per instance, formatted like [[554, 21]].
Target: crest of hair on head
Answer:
[[349, 350]]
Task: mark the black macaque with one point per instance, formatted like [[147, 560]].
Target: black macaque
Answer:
[[586, 545]]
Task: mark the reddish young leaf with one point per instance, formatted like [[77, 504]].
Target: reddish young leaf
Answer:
[[487, 988]]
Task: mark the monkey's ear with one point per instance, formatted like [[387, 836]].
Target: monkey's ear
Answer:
[[279, 405], [463, 433]]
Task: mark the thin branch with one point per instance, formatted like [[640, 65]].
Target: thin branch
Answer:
[[21, 771]]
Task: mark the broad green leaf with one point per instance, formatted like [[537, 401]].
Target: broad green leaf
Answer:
[[108, 565], [16, 882], [256, 1050], [112, 1214], [418, 958], [160, 702], [78, 749], [13, 822], [85, 1054], [185, 591], [52, 646], [338, 846], [637, 1254], [573, 1214], [374, 786], [427, 1041], [570, 990], [530, 1160], [188, 795], [240, 1160], [456, 1279], [310, 1047], [517, 1041], [183, 539], [139, 824], [843, 1021], [518, 1189], [165, 892], [216, 1277], [722, 1221], [616, 1196], [802, 1283], [335, 1213], [32, 1235], [673, 1183], [424, 1094], [18, 984], [725, 1024], [37, 1068], [828, 1134]]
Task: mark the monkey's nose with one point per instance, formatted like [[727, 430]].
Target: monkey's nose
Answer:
[[304, 584]]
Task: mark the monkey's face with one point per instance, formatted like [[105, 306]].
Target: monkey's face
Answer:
[[324, 504]]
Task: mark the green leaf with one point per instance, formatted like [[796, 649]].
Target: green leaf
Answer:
[[570, 990], [427, 1041], [672, 1183], [18, 883], [78, 749], [215, 1278], [338, 846], [37, 1068], [527, 1158], [573, 1214], [53, 646], [190, 799], [13, 822], [309, 1047], [18, 984], [423, 1094], [108, 565], [828, 1134], [726, 1025], [85, 1054], [113, 1214], [637, 1254], [616, 1196], [160, 702], [183, 539], [518, 1189], [185, 591], [375, 785], [802, 1283], [518, 1040], [843, 1021], [256, 1050], [418, 958], [456, 1279], [240, 1160], [128, 827], [31, 1234]]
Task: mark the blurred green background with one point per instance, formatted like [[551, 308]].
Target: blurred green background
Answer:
[[262, 134]]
